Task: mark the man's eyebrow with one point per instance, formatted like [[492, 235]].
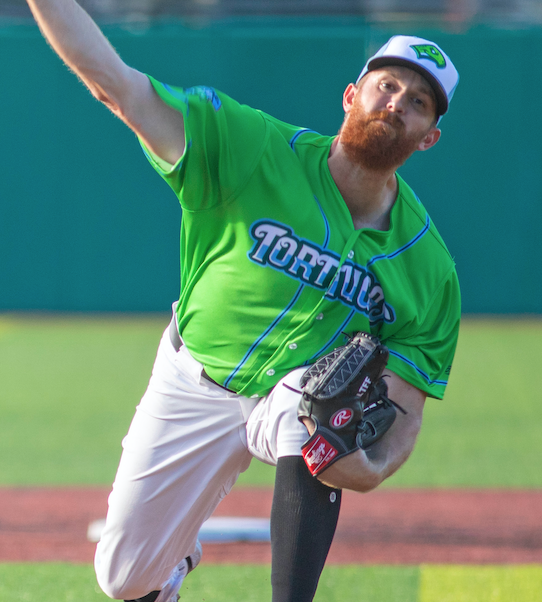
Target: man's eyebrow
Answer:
[[424, 87]]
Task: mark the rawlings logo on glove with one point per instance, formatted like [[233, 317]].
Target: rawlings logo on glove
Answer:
[[341, 418]]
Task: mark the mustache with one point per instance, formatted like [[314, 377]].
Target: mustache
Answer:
[[392, 118]]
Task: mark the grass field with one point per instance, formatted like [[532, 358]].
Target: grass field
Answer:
[[58, 582], [69, 386]]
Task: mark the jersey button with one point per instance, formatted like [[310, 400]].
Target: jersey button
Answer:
[[320, 316], [270, 372], [351, 255], [292, 346]]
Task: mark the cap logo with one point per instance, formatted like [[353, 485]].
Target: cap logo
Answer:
[[428, 51]]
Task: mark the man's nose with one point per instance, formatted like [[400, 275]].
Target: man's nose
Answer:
[[396, 104]]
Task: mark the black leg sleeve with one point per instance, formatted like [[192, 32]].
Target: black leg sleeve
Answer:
[[303, 520]]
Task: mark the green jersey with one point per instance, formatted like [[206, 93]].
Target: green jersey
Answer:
[[273, 272]]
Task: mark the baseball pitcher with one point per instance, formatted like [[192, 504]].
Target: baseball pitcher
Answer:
[[319, 306]]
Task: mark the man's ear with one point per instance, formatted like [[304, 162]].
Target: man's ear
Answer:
[[348, 97], [430, 139]]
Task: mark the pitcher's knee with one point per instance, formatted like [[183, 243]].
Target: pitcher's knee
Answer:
[[120, 584], [122, 590]]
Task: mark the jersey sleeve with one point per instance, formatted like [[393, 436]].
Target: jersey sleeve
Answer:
[[223, 143], [422, 354]]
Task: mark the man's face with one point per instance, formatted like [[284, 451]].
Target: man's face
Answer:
[[392, 114]]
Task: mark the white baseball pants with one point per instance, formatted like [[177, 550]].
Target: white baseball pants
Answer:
[[188, 442]]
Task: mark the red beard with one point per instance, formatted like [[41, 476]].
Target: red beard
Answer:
[[374, 145]]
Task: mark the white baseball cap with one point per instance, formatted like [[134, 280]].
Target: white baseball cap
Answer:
[[422, 56]]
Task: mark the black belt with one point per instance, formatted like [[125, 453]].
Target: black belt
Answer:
[[177, 343]]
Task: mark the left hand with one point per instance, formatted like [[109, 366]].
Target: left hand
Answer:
[[364, 470]]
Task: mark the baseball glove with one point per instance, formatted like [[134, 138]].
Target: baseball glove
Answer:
[[378, 415], [346, 397]]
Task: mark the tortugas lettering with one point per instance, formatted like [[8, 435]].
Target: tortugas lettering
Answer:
[[277, 246], [427, 51]]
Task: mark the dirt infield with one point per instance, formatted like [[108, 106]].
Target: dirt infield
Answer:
[[383, 527]]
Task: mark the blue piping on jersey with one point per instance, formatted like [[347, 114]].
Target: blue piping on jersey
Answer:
[[286, 309], [409, 244], [339, 331], [418, 370], [264, 334], [326, 224], [297, 134], [180, 94], [171, 90], [145, 152]]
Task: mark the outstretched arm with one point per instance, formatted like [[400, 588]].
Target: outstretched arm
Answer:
[[127, 92], [363, 471]]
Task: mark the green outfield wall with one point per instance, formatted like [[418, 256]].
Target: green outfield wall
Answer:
[[86, 224]]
